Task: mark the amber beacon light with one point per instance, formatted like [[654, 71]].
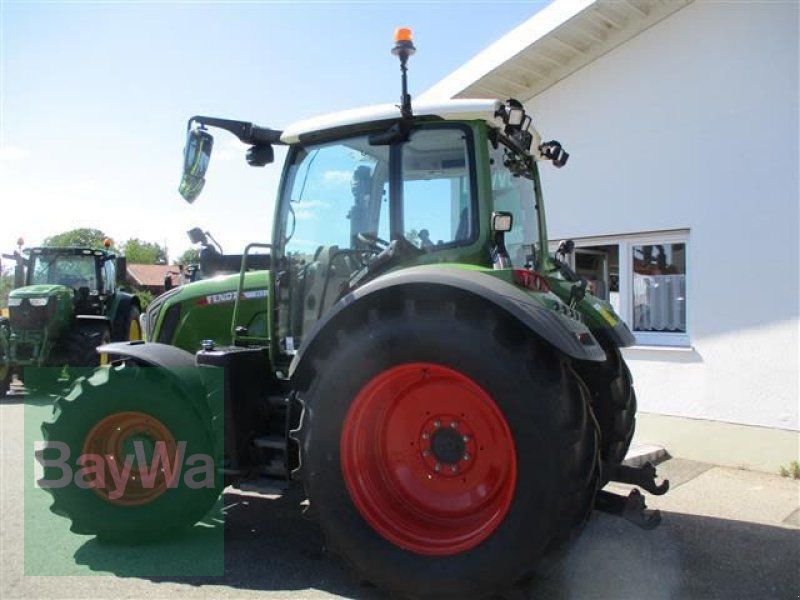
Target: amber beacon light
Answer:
[[403, 48]]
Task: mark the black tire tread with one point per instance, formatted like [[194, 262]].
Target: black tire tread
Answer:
[[613, 400], [577, 425], [66, 409]]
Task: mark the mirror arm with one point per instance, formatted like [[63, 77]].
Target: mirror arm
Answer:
[[246, 132]]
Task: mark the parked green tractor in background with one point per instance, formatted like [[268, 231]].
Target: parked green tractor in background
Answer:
[[449, 394], [66, 304]]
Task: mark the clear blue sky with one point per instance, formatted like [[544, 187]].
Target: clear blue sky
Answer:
[[95, 98]]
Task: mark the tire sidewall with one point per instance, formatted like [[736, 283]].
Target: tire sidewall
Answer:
[[528, 404]]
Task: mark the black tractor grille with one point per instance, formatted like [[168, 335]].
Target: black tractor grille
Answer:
[[31, 318]]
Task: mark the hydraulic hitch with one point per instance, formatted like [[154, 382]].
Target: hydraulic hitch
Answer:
[[644, 477], [631, 508]]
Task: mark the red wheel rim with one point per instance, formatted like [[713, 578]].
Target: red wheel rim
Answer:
[[428, 459], [112, 440]]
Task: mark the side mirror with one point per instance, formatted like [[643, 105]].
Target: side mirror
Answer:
[[19, 270], [196, 156], [565, 247], [122, 270], [196, 236]]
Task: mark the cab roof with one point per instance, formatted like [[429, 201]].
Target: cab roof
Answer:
[[451, 110], [67, 251]]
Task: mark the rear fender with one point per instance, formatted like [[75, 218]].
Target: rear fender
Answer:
[[118, 314], [569, 336]]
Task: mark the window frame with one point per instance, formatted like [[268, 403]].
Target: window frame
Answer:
[[625, 244]]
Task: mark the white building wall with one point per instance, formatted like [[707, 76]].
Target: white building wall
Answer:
[[693, 124]]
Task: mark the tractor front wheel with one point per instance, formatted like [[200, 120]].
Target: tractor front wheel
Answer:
[[137, 422], [82, 343], [445, 449]]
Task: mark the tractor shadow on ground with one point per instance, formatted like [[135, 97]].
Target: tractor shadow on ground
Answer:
[[687, 556], [269, 546], [21, 396]]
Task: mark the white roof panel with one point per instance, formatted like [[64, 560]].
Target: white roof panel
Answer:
[[470, 109]]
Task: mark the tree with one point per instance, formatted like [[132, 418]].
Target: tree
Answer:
[[190, 256], [139, 251], [82, 237]]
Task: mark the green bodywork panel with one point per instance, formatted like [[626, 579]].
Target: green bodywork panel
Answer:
[[113, 307], [597, 313], [206, 310]]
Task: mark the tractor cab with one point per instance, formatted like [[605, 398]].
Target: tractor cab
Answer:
[[89, 274]]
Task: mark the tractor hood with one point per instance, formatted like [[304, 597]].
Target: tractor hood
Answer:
[[38, 291], [201, 310]]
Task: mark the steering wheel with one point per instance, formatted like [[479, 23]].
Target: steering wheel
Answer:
[[372, 240]]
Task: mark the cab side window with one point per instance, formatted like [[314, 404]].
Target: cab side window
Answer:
[[437, 207]]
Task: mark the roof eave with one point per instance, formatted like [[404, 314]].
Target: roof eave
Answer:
[[557, 41]]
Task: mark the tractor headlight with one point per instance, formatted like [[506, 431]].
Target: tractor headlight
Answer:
[[14, 301], [38, 301]]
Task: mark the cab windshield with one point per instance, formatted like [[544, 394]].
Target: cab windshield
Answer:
[[512, 188], [338, 194], [75, 271]]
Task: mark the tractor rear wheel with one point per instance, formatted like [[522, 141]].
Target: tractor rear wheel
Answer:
[[445, 449], [127, 411], [613, 401], [132, 329]]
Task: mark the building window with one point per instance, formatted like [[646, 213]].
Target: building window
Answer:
[[643, 276], [659, 287]]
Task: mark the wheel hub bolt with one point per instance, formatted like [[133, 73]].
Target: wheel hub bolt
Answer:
[[426, 453], [466, 438], [454, 469], [426, 436], [437, 424], [467, 456], [454, 424], [437, 467]]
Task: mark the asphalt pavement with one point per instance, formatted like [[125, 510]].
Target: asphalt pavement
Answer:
[[725, 533]]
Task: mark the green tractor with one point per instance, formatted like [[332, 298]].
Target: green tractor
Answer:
[[450, 396], [66, 304], [203, 309]]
